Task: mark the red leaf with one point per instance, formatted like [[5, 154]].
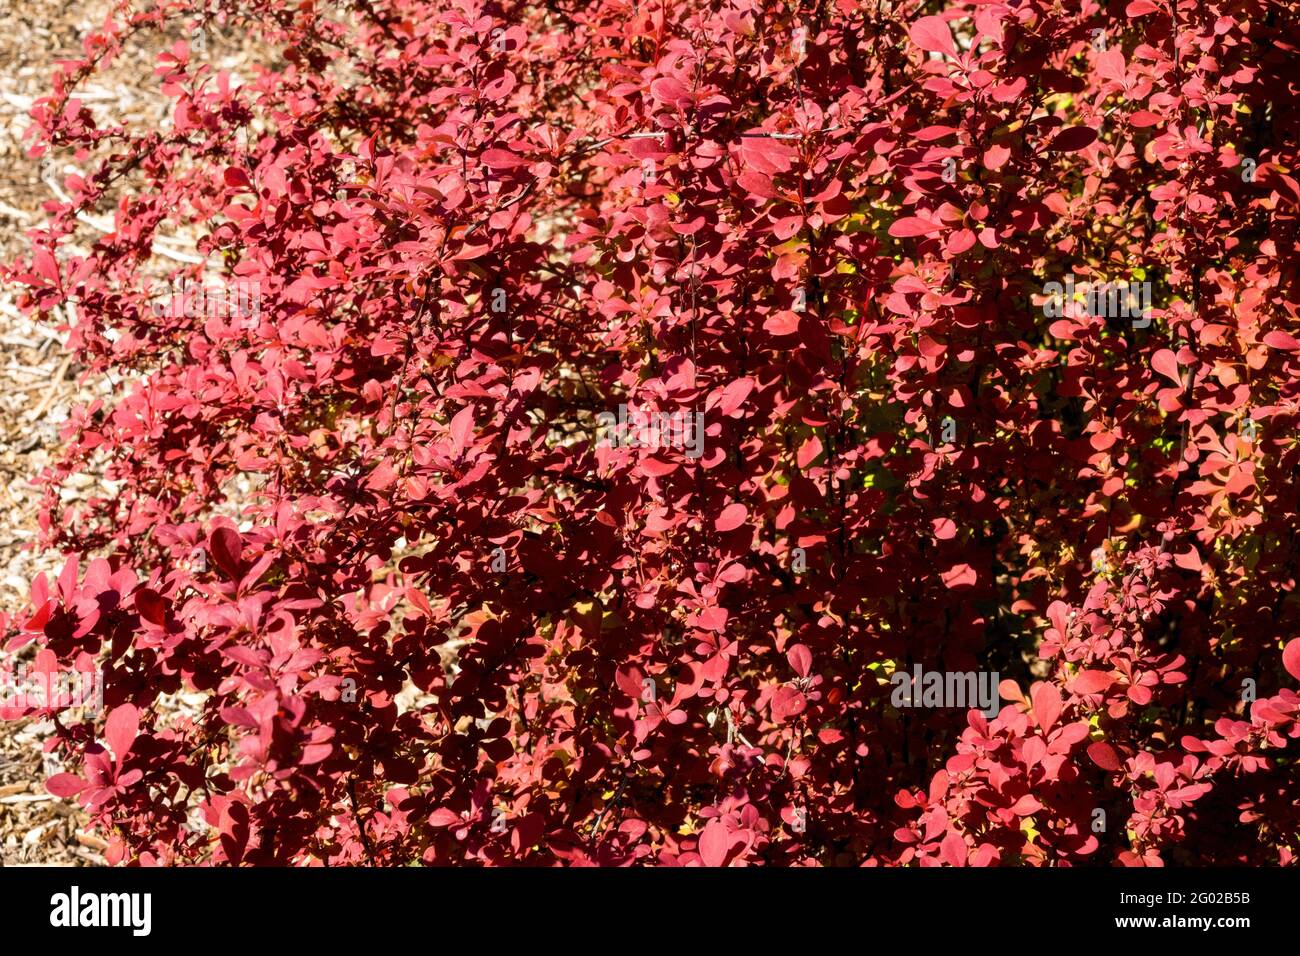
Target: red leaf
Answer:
[[734, 395], [1291, 657], [151, 605], [759, 184], [668, 90], [130, 778], [462, 426], [996, 156], [1166, 363], [787, 702], [1072, 138], [1010, 690], [1026, 806], [781, 323], [656, 468], [1139, 694], [65, 785], [713, 619], [1091, 682], [800, 658], [314, 753], [1034, 751], [1104, 756], [959, 576], [38, 620], [732, 517], [929, 347], [913, 226], [953, 849], [714, 843], [932, 133], [767, 155], [502, 159], [226, 547], [1283, 341], [932, 35], [46, 266], [121, 729], [959, 241], [1047, 704], [1110, 64]]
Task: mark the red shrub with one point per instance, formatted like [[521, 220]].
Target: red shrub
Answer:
[[361, 506]]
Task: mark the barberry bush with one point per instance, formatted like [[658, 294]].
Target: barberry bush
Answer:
[[377, 519]]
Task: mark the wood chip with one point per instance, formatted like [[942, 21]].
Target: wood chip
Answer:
[[94, 842]]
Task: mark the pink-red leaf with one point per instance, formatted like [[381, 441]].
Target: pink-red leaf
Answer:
[[731, 517], [932, 35], [1091, 682], [799, 658], [65, 785], [1291, 657], [121, 729], [715, 843], [1104, 756]]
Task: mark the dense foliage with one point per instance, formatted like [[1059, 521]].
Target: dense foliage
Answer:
[[433, 613]]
